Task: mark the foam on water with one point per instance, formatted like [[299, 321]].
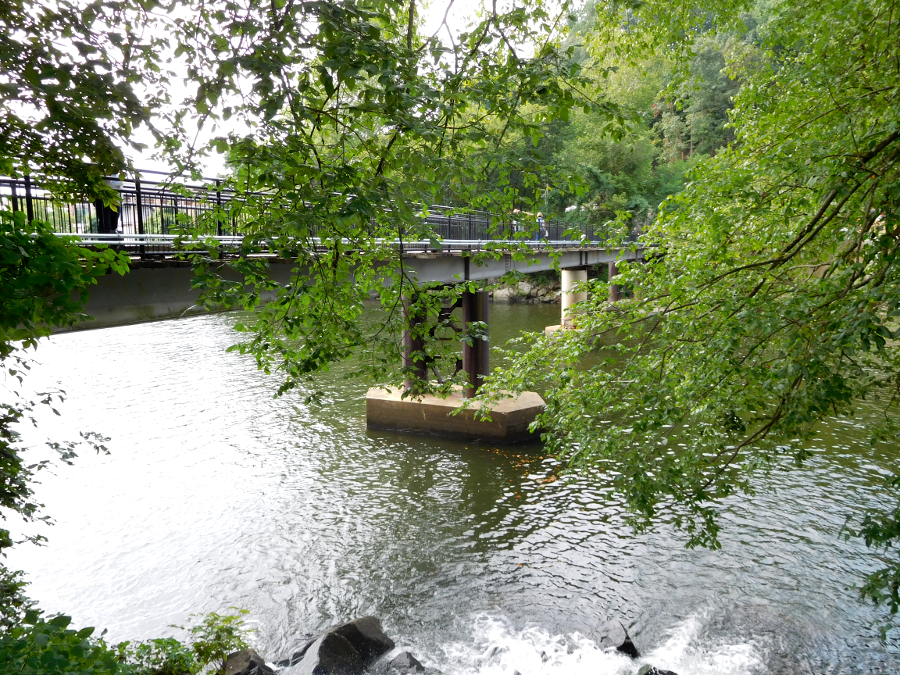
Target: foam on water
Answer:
[[686, 653], [496, 647]]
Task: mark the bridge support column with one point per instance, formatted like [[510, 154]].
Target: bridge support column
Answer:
[[614, 290], [475, 356], [570, 279], [424, 413], [413, 348]]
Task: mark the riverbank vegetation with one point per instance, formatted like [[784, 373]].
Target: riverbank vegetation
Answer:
[[753, 147]]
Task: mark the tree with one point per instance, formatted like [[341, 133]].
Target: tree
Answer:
[[76, 80], [356, 122], [770, 288], [44, 282], [677, 113]]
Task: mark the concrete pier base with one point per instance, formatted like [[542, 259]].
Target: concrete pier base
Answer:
[[509, 418], [570, 279]]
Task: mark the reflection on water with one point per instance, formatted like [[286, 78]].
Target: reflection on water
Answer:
[[479, 559]]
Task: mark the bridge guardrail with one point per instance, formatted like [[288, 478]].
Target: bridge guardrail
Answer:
[[151, 208]]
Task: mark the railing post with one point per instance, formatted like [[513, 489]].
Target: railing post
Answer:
[[140, 211], [15, 197], [29, 205]]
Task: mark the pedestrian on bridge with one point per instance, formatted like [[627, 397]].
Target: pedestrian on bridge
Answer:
[[108, 216]]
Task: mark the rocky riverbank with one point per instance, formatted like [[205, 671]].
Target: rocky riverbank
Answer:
[[356, 647], [537, 290]]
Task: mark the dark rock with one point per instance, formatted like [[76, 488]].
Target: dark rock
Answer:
[[246, 662], [651, 670], [407, 663], [613, 635], [331, 654], [367, 638], [343, 650]]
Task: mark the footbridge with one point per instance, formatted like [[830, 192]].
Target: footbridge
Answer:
[[159, 287], [152, 208]]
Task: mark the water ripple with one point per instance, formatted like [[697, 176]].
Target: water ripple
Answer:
[[218, 495]]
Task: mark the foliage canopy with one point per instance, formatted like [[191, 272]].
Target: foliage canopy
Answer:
[[353, 122], [769, 296]]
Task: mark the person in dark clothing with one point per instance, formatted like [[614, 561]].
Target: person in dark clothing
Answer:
[[541, 228], [107, 216]]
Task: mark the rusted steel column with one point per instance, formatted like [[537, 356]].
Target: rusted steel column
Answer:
[[570, 278], [476, 357], [613, 288], [413, 347]]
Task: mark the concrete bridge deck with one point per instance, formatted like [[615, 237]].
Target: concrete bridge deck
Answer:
[[160, 287]]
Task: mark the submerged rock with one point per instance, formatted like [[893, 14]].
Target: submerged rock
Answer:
[[612, 635], [297, 656], [405, 662], [246, 662], [652, 670], [347, 649]]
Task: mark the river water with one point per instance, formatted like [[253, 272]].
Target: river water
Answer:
[[479, 559]]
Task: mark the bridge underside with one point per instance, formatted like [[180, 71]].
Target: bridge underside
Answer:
[[161, 289]]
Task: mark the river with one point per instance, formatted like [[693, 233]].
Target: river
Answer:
[[479, 559]]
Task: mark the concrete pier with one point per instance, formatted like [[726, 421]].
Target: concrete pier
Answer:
[[408, 408], [614, 290], [570, 279], [429, 414]]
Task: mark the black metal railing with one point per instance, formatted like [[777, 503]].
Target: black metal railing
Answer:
[[150, 211], [146, 206]]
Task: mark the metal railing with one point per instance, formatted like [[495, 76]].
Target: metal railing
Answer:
[[146, 206], [152, 212]]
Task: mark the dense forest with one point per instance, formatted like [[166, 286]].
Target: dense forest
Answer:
[[673, 113]]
